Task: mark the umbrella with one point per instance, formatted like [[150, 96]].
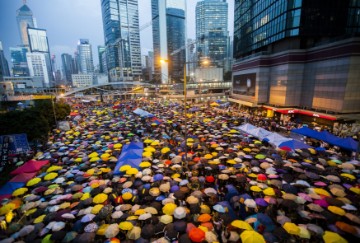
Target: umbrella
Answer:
[[196, 235], [148, 231], [331, 237], [134, 233], [180, 213], [336, 210], [126, 225], [250, 236], [92, 227], [291, 228], [87, 218], [145, 216], [112, 230], [204, 218], [169, 208], [241, 225]]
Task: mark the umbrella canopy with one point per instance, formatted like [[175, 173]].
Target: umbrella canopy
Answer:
[[250, 236]]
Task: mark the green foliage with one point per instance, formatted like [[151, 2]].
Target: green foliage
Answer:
[[36, 122]]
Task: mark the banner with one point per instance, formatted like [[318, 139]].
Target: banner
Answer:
[[17, 143], [245, 84]]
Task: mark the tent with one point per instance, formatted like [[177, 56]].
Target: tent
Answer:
[[276, 139], [7, 189], [131, 155], [307, 132], [259, 132], [30, 166], [347, 143], [246, 127], [328, 137], [142, 113], [294, 144], [24, 177]]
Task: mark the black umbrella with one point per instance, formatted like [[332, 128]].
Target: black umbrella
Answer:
[[159, 229], [171, 235], [85, 238], [289, 188], [334, 202], [180, 226], [289, 204], [49, 217], [105, 211], [57, 236], [281, 233], [184, 238], [148, 231], [179, 195]]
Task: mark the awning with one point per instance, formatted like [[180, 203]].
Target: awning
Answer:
[[302, 112]]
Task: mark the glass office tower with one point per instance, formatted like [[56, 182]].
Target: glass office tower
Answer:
[[169, 36], [122, 39], [19, 62], [86, 64], [212, 30], [24, 17]]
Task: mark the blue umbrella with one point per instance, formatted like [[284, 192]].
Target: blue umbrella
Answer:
[[158, 177]]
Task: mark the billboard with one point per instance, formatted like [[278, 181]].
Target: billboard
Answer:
[[244, 84]]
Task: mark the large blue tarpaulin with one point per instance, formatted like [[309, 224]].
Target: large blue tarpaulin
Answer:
[[131, 154]]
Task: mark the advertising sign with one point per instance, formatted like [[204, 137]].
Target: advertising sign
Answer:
[[15, 143], [244, 84]]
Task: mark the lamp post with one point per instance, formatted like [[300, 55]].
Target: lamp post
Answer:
[[53, 108]]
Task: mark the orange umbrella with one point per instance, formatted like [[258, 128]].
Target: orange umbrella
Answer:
[[204, 218]]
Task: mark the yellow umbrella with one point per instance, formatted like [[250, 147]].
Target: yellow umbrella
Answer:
[[291, 228], [127, 196], [117, 146], [124, 168], [93, 154], [105, 170], [126, 225], [20, 191], [65, 205], [140, 211], [169, 208], [100, 198], [33, 181], [269, 191], [349, 176], [96, 209], [147, 141], [49, 191], [251, 236], [53, 168], [105, 156], [331, 237], [132, 171], [149, 149], [6, 208], [145, 164], [9, 216], [78, 160], [255, 189], [241, 224], [94, 159], [147, 154], [231, 161], [90, 171], [133, 217], [39, 219], [208, 156], [50, 176], [214, 145], [31, 211], [165, 150], [355, 190], [102, 229], [252, 175], [85, 196], [247, 150], [155, 143], [336, 210], [321, 191]]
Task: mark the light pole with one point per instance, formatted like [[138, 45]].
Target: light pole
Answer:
[[53, 108]]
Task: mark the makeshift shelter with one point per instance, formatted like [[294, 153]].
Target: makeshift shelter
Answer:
[[247, 127], [142, 113], [307, 132], [30, 167], [24, 177], [131, 155], [7, 189], [276, 139], [294, 144], [347, 143], [259, 132]]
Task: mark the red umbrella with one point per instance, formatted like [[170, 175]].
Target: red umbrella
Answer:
[[196, 235], [285, 148], [261, 177]]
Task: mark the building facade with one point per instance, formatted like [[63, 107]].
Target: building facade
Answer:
[[212, 30], [297, 53], [122, 39], [67, 68], [85, 57], [24, 17], [38, 66], [169, 38], [82, 80], [101, 51], [19, 62], [4, 66]]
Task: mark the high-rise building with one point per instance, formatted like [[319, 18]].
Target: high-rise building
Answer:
[[67, 68], [38, 66], [19, 62], [24, 17], [86, 65], [212, 30], [4, 66], [122, 39], [169, 37], [101, 51], [38, 43], [298, 54]]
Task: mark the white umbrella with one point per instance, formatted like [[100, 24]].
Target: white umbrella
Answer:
[[145, 216]]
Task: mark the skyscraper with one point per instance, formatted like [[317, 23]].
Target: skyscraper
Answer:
[[298, 53], [101, 51], [122, 39], [19, 62], [86, 65], [4, 66], [38, 67], [169, 35], [38, 43], [24, 19], [67, 67], [212, 30]]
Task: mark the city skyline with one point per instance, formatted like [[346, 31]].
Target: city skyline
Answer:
[[57, 15]]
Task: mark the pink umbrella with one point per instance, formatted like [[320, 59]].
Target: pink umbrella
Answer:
[[320, 183], [322, 203], [270, 200], [305, 196]]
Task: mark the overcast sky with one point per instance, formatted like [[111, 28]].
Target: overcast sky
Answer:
[[66, 21]]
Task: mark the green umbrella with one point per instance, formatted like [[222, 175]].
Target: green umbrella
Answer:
[[260, 156]]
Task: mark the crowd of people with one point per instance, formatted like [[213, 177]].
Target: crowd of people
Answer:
[[199, 180]]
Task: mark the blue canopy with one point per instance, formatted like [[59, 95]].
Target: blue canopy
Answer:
[[294, 144], [347, 143], [328, 137], [142, 113], [10, 187], [307, 132], [131, 154]]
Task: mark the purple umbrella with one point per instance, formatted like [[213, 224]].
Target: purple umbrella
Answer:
[[261, 202], [322, 203]]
